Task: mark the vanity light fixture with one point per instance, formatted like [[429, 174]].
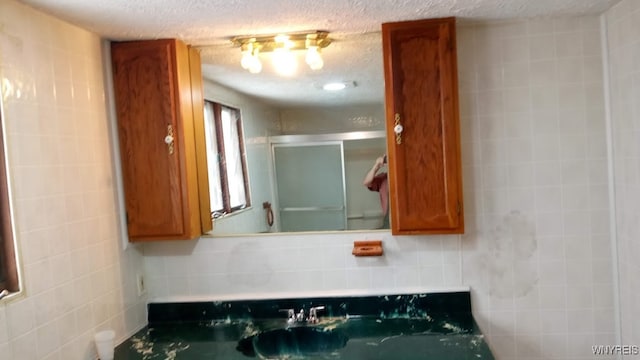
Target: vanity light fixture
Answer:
[[282, 46]]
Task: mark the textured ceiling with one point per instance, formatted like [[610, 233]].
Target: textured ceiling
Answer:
[[355, 54]]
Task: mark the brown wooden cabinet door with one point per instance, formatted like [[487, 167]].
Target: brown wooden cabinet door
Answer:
[[421, 95], [152, 88]]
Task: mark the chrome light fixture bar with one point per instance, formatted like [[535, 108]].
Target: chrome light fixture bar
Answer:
[[281, 46]]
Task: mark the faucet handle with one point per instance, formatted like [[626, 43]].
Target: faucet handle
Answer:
[[313, 314], [300, 316], [291, 315]]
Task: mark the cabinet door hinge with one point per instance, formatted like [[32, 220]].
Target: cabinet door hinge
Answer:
[[459, 208]]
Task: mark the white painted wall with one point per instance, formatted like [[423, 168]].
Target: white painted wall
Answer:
[[322, 120]]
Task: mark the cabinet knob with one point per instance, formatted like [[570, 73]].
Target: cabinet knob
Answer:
[[398, 129], [169, 139]]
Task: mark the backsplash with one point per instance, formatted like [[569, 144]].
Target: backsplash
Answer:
[[289, 264], [77, 278]]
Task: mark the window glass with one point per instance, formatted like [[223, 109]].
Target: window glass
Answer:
[[213, 159], [233, 156]]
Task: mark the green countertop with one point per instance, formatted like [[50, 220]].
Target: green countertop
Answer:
[[401, 329]]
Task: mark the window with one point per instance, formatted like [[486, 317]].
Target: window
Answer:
[[228, 180], [8, 264]]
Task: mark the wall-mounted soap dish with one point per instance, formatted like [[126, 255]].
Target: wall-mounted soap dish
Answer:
[[367, 248]]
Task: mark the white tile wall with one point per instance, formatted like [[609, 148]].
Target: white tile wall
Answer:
[[293, 265], [624, 53], [535, 170], [77, 279], [536, 250]]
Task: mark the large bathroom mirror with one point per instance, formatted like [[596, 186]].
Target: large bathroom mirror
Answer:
[[307, 149]]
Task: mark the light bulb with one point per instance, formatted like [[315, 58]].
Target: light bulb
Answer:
[[313, 58], [247, 54], [284, 61], [246, 59], [256, 65]]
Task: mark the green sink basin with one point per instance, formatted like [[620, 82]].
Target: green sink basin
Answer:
[[293, 342]]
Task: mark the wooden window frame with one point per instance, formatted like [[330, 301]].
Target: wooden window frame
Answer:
[[9, 279], [217, 117]]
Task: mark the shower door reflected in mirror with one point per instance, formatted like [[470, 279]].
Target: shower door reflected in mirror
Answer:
[[310, 186], [319, 181]]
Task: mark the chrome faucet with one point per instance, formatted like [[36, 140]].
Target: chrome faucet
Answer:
[[292, 317]]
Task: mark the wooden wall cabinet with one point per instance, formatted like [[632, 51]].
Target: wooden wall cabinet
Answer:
[[423, 136], [159, 102]]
